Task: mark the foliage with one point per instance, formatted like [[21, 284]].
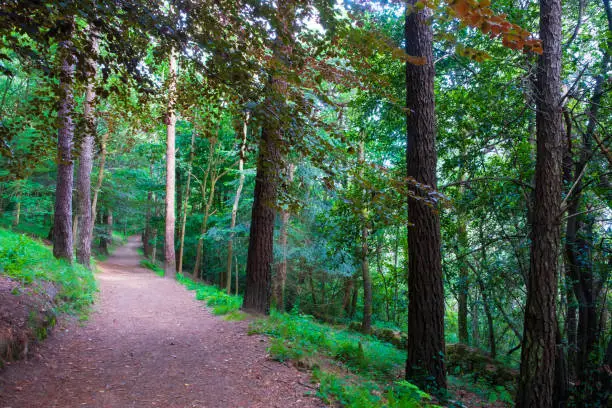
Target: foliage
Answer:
[[29, 261], [159, 271], [220, 302]]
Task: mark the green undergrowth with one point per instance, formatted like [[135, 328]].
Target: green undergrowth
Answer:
[[220, 302], [491, 393], [29, 261], [117, 240], [352, 369], [145, 263]]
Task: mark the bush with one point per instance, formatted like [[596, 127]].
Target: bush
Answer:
[[145, 263], [28, 260], [220, 302]]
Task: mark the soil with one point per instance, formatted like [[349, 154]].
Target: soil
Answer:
[[149, 343]]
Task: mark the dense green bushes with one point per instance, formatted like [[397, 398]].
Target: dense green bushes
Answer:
[[27, 260], [372, 366], [221, 302]]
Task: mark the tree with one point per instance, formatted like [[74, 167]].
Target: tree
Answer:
[[425, 362], [62, 226], [169, 255], [261, 239], [85, 214], [230, 243], [536, 381]]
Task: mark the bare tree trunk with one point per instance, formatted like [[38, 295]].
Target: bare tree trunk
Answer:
[[85, 219], [169, 255], [281, 269], [207, 175], [62, 225], [18, 198], [96, 192], [366, 322], [463, 284], [230, 244], [146, 236], [187, 186], [426, 348], [537, 375]]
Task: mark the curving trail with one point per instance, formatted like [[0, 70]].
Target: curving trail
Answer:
[[149, 343]]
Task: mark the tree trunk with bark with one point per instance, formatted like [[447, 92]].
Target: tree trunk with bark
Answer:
[[85, 217], [187, 187], [463, 285], [96, 192], [261, 239], [281, 268], [537, 374], [62, 223], [169, 253], [425, 363], [230, 244]]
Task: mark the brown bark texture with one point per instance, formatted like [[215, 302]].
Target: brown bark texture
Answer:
[[260, 254], [62, 223], [169, 253], [537, 374], [281, 268], [85, 218], [425, 362]]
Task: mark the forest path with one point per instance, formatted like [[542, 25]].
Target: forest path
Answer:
[[149, 343]]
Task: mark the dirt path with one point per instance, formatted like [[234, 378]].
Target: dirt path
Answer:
[[149, 343]]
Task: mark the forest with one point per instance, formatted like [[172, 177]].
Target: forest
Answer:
[[409, 199]]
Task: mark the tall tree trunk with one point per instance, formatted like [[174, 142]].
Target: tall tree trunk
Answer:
[[578, 244], [210, 174], [537, 374], [261, 239], [85, 218], [169, 255], [186, 202], [281, 269], [230, 244], [62, 223], [425, 363], [366, 322]]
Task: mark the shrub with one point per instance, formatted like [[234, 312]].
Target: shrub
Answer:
[[28, 260]]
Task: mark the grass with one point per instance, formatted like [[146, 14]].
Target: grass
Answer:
[[220, 302], [159, 271], [29, 260], [372, 366]]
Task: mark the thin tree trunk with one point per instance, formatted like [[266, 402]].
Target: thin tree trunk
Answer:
[[207, 175], [463, 284], [426, 348], [281, 268], [96, 192], [84, 214], [366, 322], [489, 315], [18, 198], [169, 254], [187, 187], [538, 354], [475, 322], [230, 244]]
